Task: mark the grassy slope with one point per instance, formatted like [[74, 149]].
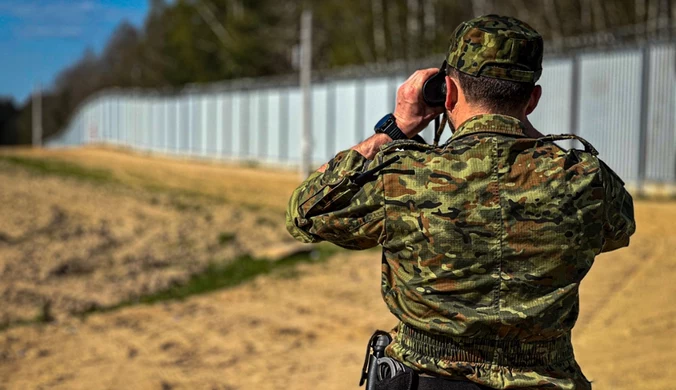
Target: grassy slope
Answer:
[[96, 166]]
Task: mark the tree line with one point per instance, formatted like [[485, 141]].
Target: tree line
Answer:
[[201, 41]]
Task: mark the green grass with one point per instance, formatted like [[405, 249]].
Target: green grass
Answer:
[[218, 276], [43, 317], [48, 166], [225, 237]]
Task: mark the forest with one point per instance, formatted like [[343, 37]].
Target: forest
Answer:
[[200, 41]]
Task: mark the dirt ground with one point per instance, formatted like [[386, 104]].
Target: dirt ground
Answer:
[[69, 245], [303, 332]]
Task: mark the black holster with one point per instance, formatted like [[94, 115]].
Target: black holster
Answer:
[[406, 380], [381, 372]]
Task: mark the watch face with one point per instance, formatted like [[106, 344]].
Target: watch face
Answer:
[[382, 121]]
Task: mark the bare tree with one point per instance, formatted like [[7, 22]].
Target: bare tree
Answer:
[[480, 7], [412, 28], [672, 16], [653, 15], [664, 13], [429, 20], [599, 16], [522, 11], [394, 28], [552, 16], [377, 19], [586, 15], [640, 18]]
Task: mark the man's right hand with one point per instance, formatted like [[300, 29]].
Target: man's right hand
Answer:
[[411, 112]]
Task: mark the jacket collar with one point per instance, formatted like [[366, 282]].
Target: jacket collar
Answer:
[[490, 123]]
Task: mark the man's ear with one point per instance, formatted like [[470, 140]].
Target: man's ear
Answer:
[[451, 93], [534, 99]]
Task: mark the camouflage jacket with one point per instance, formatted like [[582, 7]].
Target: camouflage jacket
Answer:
[[485, 242]]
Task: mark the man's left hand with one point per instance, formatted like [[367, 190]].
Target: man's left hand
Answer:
[[411, 112]]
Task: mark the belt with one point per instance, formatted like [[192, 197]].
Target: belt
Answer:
[[433, 383], [508, 353], [411, 380]]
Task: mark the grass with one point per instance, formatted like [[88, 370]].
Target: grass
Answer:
[[47, 166], [43, 317], [182, 199], [218, 276], [225, 238]]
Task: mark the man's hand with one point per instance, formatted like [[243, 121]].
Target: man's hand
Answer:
[[411, 112]]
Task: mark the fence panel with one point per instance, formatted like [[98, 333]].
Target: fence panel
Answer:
[[610, 98], [661, 129], [621, 101]]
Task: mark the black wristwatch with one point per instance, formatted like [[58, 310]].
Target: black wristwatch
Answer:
[[388, 125]]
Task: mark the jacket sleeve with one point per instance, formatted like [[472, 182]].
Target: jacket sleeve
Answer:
[[618, 224], [330, 206]]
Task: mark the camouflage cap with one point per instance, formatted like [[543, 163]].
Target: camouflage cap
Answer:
[[495, 46]]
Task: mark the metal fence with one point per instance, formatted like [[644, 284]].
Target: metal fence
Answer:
[[622, 101]]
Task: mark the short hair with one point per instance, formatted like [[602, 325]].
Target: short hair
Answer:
[[493, 94]]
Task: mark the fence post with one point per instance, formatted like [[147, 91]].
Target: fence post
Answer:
[[204, 124], [191, 120], [178, 122], [165, 108], [244, 123], [219, 125], [330, 120], [263, 124], [575, 96], [306, 85], [359, 111], [284, 125], [643, 130]]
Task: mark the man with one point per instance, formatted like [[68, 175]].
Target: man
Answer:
[[486, 238]]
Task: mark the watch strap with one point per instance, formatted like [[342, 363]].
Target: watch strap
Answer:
[[388, 125], [394, 132]]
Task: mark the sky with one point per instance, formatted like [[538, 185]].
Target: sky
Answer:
[[39, 38]]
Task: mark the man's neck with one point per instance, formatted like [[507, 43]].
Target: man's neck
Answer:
[[530, 130]]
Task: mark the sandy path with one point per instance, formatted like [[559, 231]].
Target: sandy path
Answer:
[[625, 338], [275, 333], [76, 245]]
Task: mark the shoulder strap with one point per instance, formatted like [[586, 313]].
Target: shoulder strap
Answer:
[[409, 144], [587, 146], [611, 172]]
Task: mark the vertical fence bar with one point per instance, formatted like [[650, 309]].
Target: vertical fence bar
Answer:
[[284, 124], [643, 135], [244, 124], [575, 95], [165, 108], [204, 123], [359, 112], [330, 120], [263, 125], [191, 126], [219, 125], [392, 92], [228, 129], [178, 124]]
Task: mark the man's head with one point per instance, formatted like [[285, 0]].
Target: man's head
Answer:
[[493, 65]]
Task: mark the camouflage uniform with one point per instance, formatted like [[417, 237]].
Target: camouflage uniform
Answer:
[[485, 242]]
